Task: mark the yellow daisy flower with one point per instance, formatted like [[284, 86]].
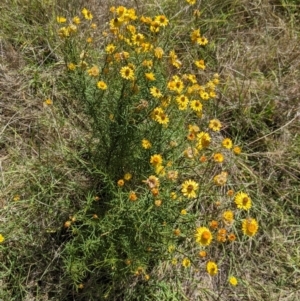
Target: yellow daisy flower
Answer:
[[155, 92], [215, 125], [212, 268], [158, 52], [60, 19], [243, 201], [150, 76], [227, 143], [127, 73], [102, 85], [228, 216], [156, 160], [186, 262], [110, 48], [203, 236], [233, 281], [203, 140], [200, 64], [196, 105], [237, 150], [249, 226], [2, 239], [162, 20], [132, 196], [146, 144], [87, 14], [189, 188], [182, 102], [218, 157]]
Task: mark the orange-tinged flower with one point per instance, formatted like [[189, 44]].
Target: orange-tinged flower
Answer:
[[214, 224], [121, 183], [132, 196]]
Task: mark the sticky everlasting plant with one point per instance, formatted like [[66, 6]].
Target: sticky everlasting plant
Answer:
[[164, 168]]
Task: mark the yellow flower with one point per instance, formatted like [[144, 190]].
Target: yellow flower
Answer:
[[243, 201], [137, 39], [174, 59], [202, 41], [186, 262], [200, 64], [183, 212], [182, 102], [121, 182], [87, 14], [127, 73], [160, 170], [60, 19], [110, 48], [233, 281], [89, 40], [162, 20], [196, 105], [237, 150], [249, 226], [202, 254], [156, 160], [173, 195], [154, 26], [162, 118], [218, 157], [127, 176], [212, 268], [174, 261], [94, 71], [158, 52], [215, 125], [2, 239], [191, 2], [147, 63], [155, 92], [76, 20], [48, 102], [203, 140], [132, 196], [171, 248], [228, 216], [204, 95], [189, 188], [16, 198], [203, 236], [227, 143], [195, 35], [146, 144], [71, 66], [102, 85], [150, 76]]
